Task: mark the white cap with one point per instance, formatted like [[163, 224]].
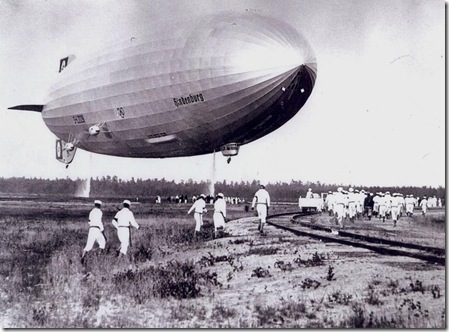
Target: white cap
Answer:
[[220, 195], [97, 201], [351, 190], [126, 202], [340, 189], [202, 195], [310, 189]]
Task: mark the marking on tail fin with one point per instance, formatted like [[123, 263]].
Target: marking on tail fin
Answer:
[[64, 62], [32, 108]]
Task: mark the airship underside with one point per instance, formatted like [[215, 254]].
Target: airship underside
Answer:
[[225, 81]]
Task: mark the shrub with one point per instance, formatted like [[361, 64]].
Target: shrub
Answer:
[[260, 273], [330, 273], [316, 260], [340, 298], [310, 283], [224, 312]]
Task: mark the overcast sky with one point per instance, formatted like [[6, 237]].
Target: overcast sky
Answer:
[[376, 115]]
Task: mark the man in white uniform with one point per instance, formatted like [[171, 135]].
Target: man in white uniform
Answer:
[[382, 206], [219, 214], [339, 206], [423, 205], [261, 201], [95, 229], [309, 193], [394, 208], [409, 205], [352, 204], [199, 206], [330, 203], [401, 200], [122, 221], [387, 199]]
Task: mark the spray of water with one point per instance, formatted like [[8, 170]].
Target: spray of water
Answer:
[[84, 188], [212, 181]]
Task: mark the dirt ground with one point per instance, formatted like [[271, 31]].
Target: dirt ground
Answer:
[[340, 284], [280, 280]]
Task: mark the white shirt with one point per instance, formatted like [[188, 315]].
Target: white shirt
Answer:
[[394, 201], [220, 206], [261, 197], [199, 206], [423, 202], [339, 198], [409, 201], [388, 200], [95, 218], [352, 197], [124, 218]]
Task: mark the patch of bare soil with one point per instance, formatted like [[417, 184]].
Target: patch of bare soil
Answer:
[[281, 280]]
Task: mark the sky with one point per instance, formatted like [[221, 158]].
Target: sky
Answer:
[[376, 115]]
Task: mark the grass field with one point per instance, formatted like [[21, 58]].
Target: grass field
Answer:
[[172, 280]]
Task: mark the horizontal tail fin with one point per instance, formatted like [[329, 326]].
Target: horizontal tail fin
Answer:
[[33, 108]]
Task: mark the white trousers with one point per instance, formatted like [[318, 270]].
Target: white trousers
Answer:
[[409, 208], [382, 210], [218, 220], [424, 209], [394, 213], [262, 212], [123, 236], [95, 235], [199, 221], [352, 209], [339, 210]]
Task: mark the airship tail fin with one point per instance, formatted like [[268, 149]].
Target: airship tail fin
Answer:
[[33, 108]]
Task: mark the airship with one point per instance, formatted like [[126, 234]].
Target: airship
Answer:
[[215, 85]]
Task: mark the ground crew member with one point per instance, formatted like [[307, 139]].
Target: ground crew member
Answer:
[[219, 214], [409, 205], [352, 204], [95, 229], [339, 206], [387, 198], [395, 208], [200, 207], [261, 201], [330, 202], [359, 202], [368, 204], [423, 205], [122, 221], [376, 200], [401, 201], [382, 206], [309, 193]]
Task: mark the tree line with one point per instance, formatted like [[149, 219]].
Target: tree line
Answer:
[[147, 190]]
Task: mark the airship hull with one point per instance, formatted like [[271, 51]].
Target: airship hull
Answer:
[[228, 79]]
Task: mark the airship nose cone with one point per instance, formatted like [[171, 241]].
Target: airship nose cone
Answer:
[[273, 57], [254, 43]]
